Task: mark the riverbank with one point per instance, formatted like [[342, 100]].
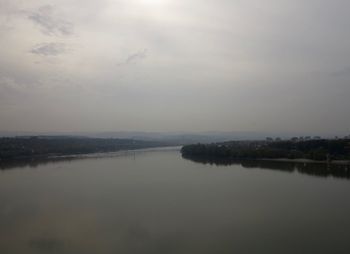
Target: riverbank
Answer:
[[35, 161], [26, 148], [322, 151], [335, 162]]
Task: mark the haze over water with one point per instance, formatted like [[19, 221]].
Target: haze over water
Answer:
[[158, 202]]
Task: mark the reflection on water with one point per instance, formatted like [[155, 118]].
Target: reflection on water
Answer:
[[46, 245], [40, 161], [32, 163], [312, 169], [157, 202]]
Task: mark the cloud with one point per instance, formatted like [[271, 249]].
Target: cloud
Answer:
[[7, 83], [293, 72], [50, 23], [142, 54], [49, 49], [10, 90], [341, 73]]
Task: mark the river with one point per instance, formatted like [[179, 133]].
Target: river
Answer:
[[155, 201]]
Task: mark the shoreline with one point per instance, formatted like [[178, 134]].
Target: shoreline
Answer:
[[334, 162], [87, 155]]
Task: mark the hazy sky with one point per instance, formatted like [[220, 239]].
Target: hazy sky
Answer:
[[175, 65]]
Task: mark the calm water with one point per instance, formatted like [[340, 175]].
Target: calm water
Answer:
[[158, 202]]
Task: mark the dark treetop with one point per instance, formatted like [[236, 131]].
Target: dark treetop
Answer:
[[319, 150]]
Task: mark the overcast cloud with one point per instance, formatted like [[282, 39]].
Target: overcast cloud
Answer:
[[175, 65]]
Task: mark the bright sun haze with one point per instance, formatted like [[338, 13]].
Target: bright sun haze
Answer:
[[166, 65]]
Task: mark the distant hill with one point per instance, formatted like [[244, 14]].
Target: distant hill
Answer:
[[175, 138]]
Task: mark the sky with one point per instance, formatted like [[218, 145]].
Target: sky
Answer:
[[175, 65]]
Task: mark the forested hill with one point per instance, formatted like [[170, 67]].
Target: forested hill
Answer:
[[320, 150], [46, 146]]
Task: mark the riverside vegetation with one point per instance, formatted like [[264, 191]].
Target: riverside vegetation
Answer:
[[47, 146], [318, 150]]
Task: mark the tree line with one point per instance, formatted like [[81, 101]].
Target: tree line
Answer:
[[27, 147], [319, 150]]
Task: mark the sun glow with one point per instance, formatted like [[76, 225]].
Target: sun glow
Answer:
[[154, 2], [156, 8]]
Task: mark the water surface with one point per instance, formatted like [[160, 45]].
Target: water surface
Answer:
[[158, 202]]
